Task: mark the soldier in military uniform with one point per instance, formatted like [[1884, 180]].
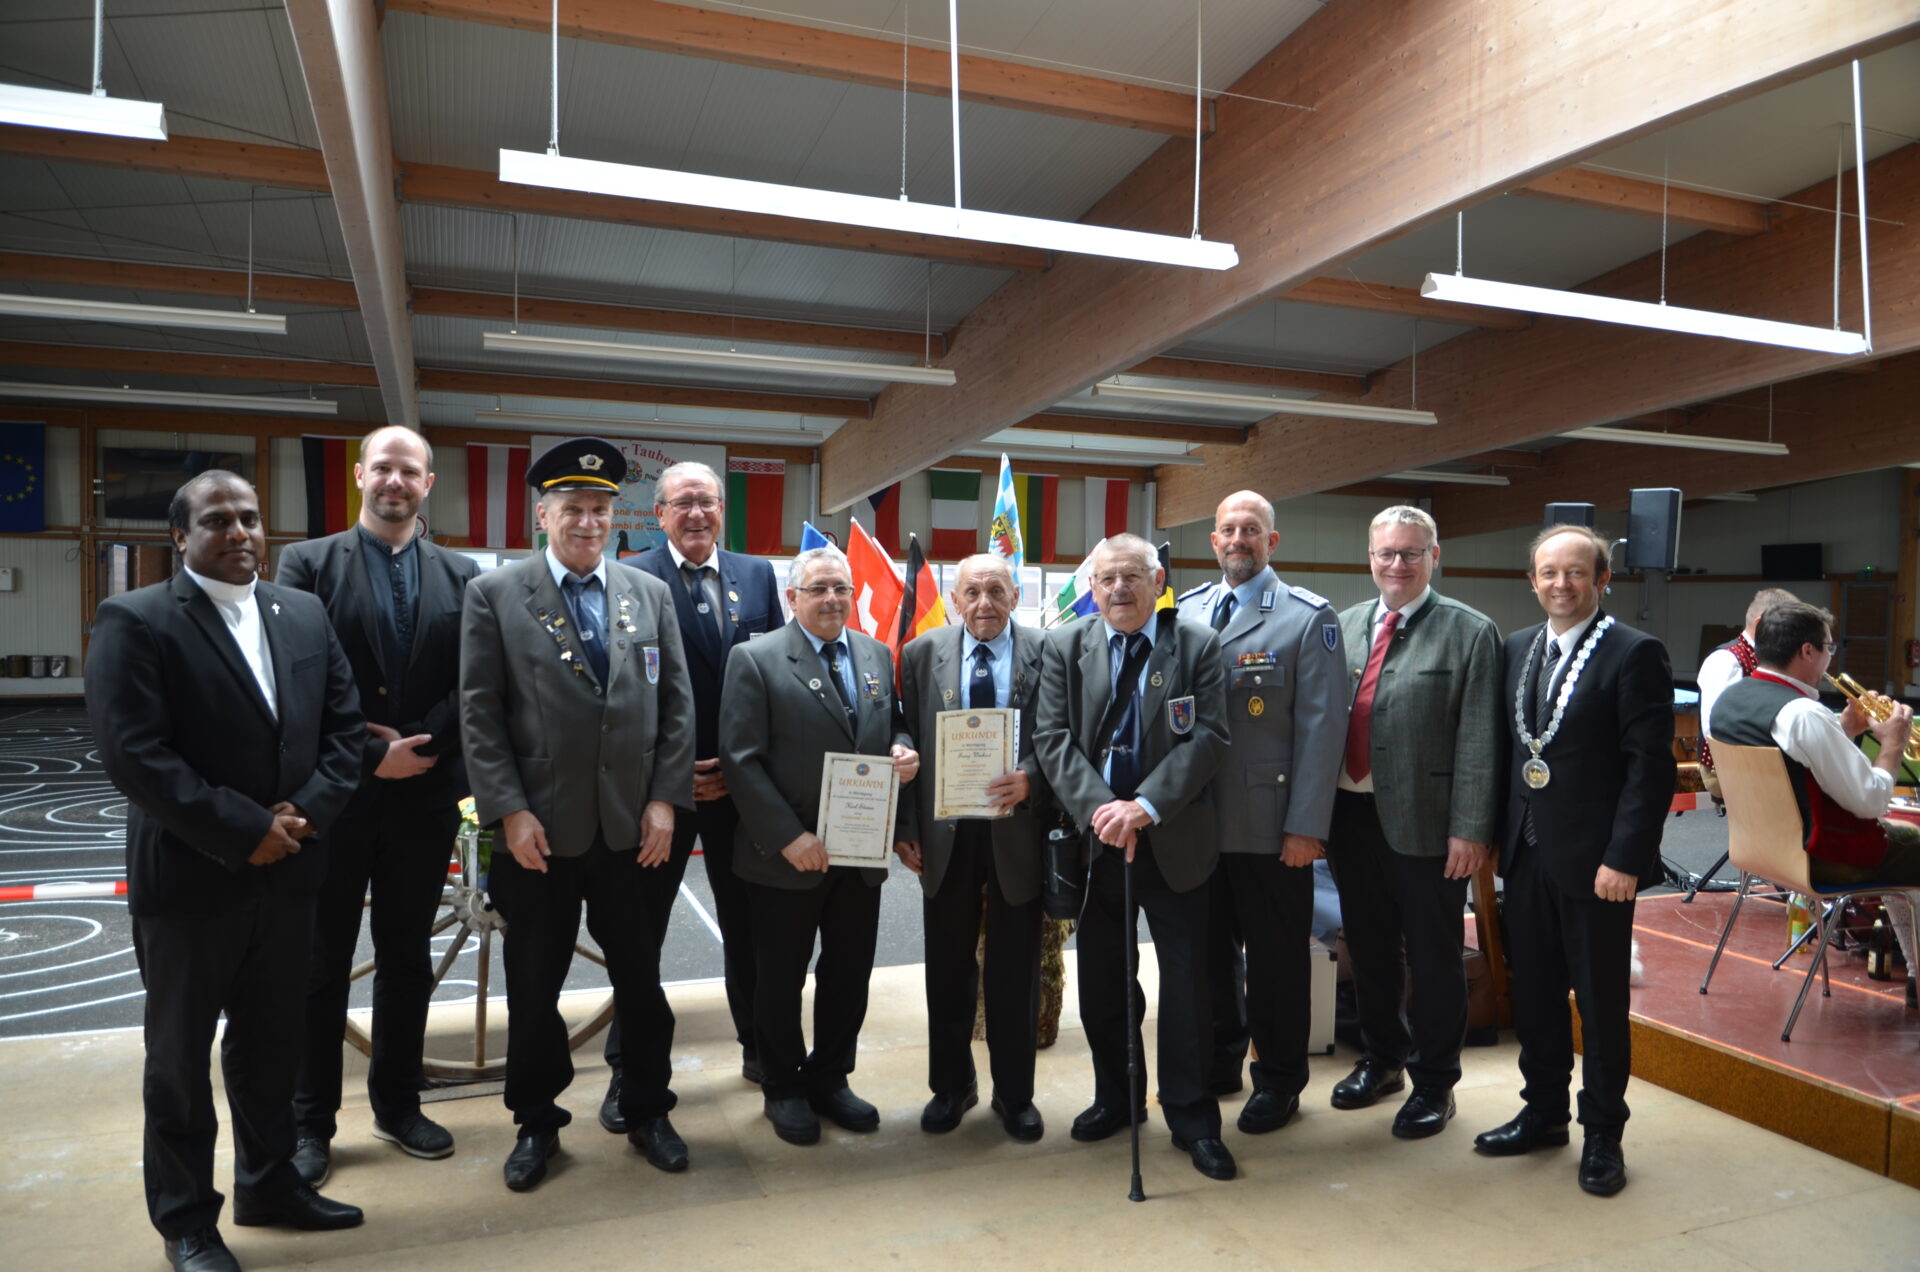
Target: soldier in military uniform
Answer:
[[1273, 792]]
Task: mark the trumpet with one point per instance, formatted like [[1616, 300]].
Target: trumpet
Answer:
[[1877, 707]]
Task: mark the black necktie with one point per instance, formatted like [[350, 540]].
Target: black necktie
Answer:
[[697, 589], [1543, 689], [1224, 614], [590, 616], [1123, 773], [835, 653], [980, 694]]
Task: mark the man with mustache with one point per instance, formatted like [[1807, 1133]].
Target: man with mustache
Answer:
[[394, 599], [812, 688], [578, 721], [225, 712]]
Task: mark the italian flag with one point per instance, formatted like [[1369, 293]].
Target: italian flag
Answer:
[[1106, 508], [756, 500], [497, 496], [1039, 505], [333, 497], [956, 512]]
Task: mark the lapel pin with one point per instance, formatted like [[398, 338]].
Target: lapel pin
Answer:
[[1157, 680], [276, 607], [814, 685], [733, 596]]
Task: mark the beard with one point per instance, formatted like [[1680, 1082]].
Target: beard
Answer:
[[1240, 567]]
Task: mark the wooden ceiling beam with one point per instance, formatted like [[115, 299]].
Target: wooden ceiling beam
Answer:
[[1402, 302], [1243, 373], [499, 384], [1150, 430], [1608, 192], [212, 366], [1296, 193], [245, 162], [1502, 458], [179, 280], [745, 40], [1493, 389]]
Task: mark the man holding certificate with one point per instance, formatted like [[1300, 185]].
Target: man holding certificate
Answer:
[[968, 693], [813, 753]]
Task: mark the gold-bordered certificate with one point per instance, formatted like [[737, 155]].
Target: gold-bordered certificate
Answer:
[[857, 798], [971, 748]]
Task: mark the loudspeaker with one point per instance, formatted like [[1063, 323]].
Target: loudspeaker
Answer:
[[1653, 529], [1569, 514]]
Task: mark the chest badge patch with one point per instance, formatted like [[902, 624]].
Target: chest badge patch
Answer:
[[652, 653], [1180, 715], [1256, 706]]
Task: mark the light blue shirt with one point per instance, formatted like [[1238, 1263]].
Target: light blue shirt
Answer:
[[1247, 595], [560, 576], [846, 663], [1113, 673], [1001, 666]]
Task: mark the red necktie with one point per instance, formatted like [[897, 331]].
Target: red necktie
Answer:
[[1360, 723]]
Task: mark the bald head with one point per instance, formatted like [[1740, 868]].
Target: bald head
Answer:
[[1243, 536], [985, 595]]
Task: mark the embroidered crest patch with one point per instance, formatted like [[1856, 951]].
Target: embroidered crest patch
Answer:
[[1180, 715], [653, 663]]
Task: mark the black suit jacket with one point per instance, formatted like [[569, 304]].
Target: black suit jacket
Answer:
[[749, 607], [186, 736], [426, 698], [1612, 762]]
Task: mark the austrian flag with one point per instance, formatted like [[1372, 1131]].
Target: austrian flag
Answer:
[[497, 496]]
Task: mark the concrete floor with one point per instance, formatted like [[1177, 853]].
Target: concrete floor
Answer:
[[1333, 1190]]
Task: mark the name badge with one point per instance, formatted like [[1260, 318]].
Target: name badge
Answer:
[[1180, 715]]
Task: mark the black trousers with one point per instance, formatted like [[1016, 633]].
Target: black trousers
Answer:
[[1556, 941], [250, 963], [625, 905], [1227, 977], [1178, 924], [844, 912], [951, 920], [712, 822], [1390, 903], [400, 849], [1274, 903]]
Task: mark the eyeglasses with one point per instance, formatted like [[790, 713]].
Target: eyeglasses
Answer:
[[706, 503], [1107, 582], [1832, 647], [1406, 556], [840, 591]]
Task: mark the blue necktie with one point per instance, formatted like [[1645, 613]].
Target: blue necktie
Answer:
[[980, 694], [1224, 614], [590, 616], [835, 652], [1123, 770]]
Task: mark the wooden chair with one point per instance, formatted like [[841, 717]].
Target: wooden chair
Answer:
[[1765, 839]]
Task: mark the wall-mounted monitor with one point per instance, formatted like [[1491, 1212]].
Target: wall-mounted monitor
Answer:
[[1792, 562], [138, 482]]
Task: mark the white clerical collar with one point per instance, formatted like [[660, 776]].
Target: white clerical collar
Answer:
[[561, 573], [1406, 611], [681, 560], [230, 593]]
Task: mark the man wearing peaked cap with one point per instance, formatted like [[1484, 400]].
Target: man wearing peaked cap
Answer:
[[577, 715]]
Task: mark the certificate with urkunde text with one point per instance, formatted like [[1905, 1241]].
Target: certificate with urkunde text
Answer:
[[857, 798], [971, 749]]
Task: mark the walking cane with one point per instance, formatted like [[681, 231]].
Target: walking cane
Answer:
[[1131, 926]]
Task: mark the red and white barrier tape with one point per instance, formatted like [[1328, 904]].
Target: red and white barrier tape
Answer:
[[63, 891]]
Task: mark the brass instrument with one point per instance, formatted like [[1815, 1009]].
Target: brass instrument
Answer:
[[1877, 707]]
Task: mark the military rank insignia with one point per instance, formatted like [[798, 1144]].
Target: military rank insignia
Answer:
[[1260, 658], [653, 663]]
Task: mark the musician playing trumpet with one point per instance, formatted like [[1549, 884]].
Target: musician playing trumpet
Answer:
[[1843, 796]]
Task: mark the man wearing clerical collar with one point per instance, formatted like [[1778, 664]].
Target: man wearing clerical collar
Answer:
[[1589, 703]]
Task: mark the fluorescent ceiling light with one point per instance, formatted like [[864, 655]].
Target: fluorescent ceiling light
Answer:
[[1075, 455], [1271, 405], [1447, 479], [1639, 313], [1680, 441], [559, 346], [631, 181], [82, 112], [142, 315], [625, 427], [167, 397]]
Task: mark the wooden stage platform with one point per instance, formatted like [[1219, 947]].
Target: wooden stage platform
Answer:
[[1849, 1082]]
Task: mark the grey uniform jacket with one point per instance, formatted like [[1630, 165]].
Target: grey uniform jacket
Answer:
[[1177, 756], [933, 678], [778, 717], [1438, 738], [541, 733], [1287, 699]]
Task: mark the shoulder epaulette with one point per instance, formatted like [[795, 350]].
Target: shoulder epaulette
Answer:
[[1194, 591], [1312, 598]]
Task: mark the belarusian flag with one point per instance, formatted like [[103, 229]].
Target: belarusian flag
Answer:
[[333, 497], [497, 496], [756, 499], [1039, 507], [1106, 509], [956, 511]]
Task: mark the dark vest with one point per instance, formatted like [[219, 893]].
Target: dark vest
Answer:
[[1744, 716], [1743, 653]]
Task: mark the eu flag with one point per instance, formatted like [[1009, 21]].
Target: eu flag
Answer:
[[23, 478]]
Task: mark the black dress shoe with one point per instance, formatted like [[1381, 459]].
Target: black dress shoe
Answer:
[[610, 1119], [846, 1110], [660, 1144], [1098, 1122], [1023, 1123], [1210, 1157], [313, 1159], [1603, 1168], [1426, 1112], [417, 1135], [1523, 1134], [792, 1120], [296, 1207], [1267, 1111], [943, 1112], [201, 1251], [527, 1163], [1369, 1080], [750, 1069]]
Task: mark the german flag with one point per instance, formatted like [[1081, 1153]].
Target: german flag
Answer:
[[921, 609], [333, 498]]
